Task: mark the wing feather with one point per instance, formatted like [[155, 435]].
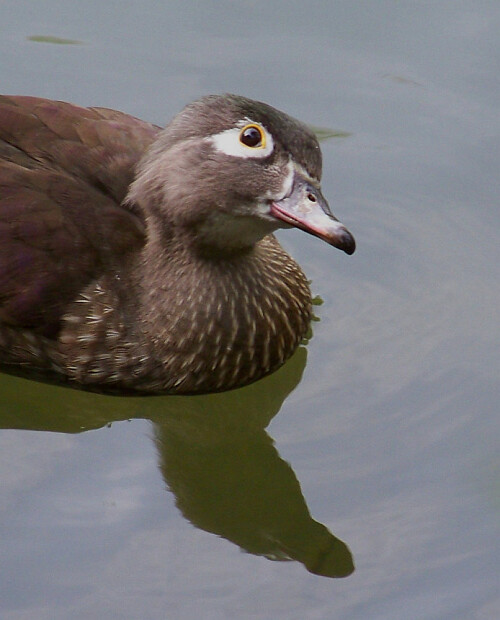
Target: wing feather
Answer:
[[64, 173]]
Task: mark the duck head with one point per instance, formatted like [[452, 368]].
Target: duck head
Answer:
[[228, 171]]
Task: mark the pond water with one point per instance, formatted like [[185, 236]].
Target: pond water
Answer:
[[369, 461]]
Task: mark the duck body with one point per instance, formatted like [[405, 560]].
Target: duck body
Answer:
[[135, 258]]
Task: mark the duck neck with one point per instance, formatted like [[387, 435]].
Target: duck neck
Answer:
[[216, 321]]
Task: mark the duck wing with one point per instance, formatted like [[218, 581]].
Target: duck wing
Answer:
[[64, 173]]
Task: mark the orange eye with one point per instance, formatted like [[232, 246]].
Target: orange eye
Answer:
[[253, 136]]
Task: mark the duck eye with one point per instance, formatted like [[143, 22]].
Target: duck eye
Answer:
[[253, 136]]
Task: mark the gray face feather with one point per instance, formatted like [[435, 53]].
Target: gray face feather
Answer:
[[213, 113], [188, 182]]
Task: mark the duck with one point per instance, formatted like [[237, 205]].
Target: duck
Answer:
[[140, 259]]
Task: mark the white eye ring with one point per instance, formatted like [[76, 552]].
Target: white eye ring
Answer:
[[229, 143]]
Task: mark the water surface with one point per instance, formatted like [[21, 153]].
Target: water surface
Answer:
[[375, 447]]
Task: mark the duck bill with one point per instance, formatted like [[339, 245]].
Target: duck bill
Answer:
[[306, 208]]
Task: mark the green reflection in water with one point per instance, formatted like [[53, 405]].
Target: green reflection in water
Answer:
[[40, 38], [214, 455], [323, 133]]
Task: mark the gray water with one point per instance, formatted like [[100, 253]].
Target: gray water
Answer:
[[376, 444]]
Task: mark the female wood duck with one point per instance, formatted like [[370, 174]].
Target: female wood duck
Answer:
[[136, 258]]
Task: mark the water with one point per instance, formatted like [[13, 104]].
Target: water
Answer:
[[140, 508]]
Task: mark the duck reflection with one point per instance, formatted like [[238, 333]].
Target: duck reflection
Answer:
[[215, 456]]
